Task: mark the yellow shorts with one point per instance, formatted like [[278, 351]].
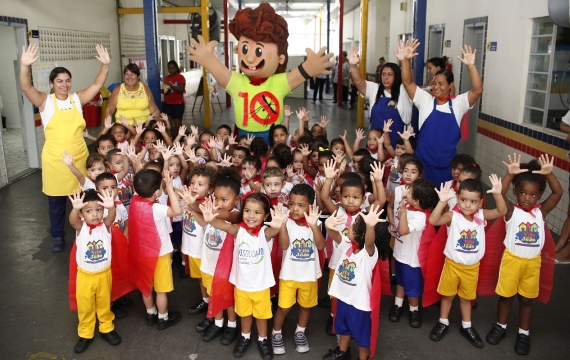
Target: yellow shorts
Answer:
[[163, 275], [207, 281], [392, 242], [305, 293], [256, 303], [519, 275], [194, 265], [459, 279]]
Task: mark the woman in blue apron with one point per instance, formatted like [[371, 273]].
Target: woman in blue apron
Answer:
[[388, 99], [439, 113]]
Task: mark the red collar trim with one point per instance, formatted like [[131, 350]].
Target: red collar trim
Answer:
[[254, 230], [373, 152], [477, 220], [301, 221], [91, 227], [528, 210], [257, 81]]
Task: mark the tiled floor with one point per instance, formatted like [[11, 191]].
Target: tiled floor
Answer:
[[16, 157]]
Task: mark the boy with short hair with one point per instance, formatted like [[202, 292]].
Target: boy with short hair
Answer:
[[150, 246], [251, 167], [300, 238], [273, 184]]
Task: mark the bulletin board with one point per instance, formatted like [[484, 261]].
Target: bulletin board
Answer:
[[41, 76]]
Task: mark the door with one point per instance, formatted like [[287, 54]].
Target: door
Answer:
[[474, 35], [435, 43]]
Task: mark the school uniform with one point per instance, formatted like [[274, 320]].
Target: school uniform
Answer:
[[406, 247]]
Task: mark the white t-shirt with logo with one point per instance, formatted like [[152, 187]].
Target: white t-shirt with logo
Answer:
[[352, 281], [213, 241], [93, 250], [121, 215], [465, 239], [525, 233], [251, 268], [406, 247], [343, 230], [301, 260], [192, 236], [160, 214]]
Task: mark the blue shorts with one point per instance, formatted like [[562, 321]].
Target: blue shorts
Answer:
[[175, 111], [351, 321], [410, 278], [262, 134], [176, 236]]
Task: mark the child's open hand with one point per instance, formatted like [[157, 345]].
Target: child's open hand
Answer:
[[373, 216], [177, 149], [301, 113], [377, 172], [387, 124], [334, 220], [108, 122], [443, 193], [301, 176], [182, 131], [514, 165], [305, 149], [161, 127], [248, 173], [343, 137], [77, 200], [278, 217], [191, 154], [287, 111], [187, 196], [389, 162], [232, 140], [167, 178], [330, 171], [107, 200], [496, 185], [191, 139], [164, 117], [226, 161], [219, 143], [139, 128], [360, 134], [194, 130], [167, 153], [408, 132], [323, 123], [67, 158], [546, 165], [313, 215], [249, 139], [290, 171], [209, 211], [318, 185]]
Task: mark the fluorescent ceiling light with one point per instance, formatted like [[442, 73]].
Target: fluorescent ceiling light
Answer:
[[305, 5]]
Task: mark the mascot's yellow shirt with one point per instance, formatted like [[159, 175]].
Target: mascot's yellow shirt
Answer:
[[257, 107]]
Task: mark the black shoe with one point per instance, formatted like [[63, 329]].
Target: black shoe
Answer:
[[200, 307], [58, 245], [438, 331], [212, 332], [324, 302], [241, 347], [81, 345], [329, 326], [395, 313], [522, 346], [151, 319], [118, 311], [496, 334], [471, 334], [124, 302], [229, 335], [415, 319], [336, 354], [112, 338], [204, 325], [173, 318], [265, 349]]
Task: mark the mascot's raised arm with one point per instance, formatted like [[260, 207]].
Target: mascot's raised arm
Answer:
[[262, 56]]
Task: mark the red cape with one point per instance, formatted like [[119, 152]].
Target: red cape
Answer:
[[276, 258], [222, 290], [491, 262], [119, 269], [144, 244], [434, 266]]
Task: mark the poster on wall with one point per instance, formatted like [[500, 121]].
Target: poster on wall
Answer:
[[141, 62], [41, 76]]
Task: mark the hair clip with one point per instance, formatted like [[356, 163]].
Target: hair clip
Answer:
[[323, 149]]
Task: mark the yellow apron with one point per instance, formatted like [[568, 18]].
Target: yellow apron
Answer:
[[63, 132], [132, 105]]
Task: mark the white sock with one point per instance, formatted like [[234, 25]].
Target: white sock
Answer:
[[219, 323], [525, 332], [300, 329], [444, 321], [501, 325], [247, 336], [259, 338], [232, 324], [465, 324], [206, 300], [399, 301], [152, 311], [414, 308], [273, 332], [163, 316]]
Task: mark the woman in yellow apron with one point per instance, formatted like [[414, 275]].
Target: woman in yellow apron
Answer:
[[133, 99], [63, 123]]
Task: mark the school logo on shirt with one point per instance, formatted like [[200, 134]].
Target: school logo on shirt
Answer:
[[189, 224], [249, 256], [394, 175], [468, 242], [95, 252], [345, 272], [125, 194], [527, 235], [119, 224], [345, 232], [302, 250], [213, 240]]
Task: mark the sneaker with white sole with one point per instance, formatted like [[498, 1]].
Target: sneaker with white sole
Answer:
[[301, 342], [278, 344]]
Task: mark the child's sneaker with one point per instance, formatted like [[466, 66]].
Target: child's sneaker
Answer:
[[522, 346], [173, 318], [241, 347], [151, 319], [415, 319], [265, 349], [212, 332], [472, 336], [496, 334], [438, 331], [301, 342], [278, 344], [229, 335], [395, 313], [199, 308], [336, 354], [112, 338]]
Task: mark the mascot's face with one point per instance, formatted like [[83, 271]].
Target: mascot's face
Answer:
[[258, 59]]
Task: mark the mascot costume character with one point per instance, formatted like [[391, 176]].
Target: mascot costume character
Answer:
[[259, 90]]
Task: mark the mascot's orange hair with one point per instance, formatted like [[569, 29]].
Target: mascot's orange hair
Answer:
[[264, 25]]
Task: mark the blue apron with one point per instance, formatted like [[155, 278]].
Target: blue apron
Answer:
[[381, 112], [437, 144]]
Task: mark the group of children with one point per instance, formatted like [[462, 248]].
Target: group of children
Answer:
[[256, 222]]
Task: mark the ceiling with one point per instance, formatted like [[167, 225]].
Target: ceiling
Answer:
[[286, 8]]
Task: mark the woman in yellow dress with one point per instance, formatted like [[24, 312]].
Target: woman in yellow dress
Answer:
[[133, 99], [62, 119]]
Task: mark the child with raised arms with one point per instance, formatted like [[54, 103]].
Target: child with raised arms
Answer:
[[251, 271], [96, 164], [300, 238], [464, 249], [119, 166]]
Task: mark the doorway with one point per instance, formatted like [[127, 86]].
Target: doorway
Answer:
[[435, 42], [474, 35], [19, 148]]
